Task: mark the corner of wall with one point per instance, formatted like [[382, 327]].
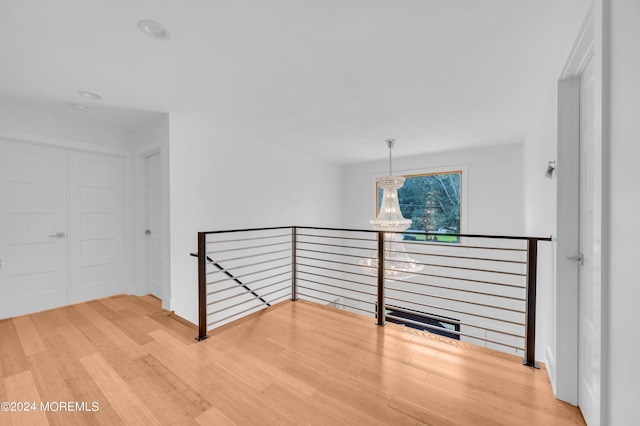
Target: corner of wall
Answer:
[[550, 364]]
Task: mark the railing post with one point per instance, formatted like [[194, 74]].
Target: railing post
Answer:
[[530, 322], [202, 286], [380, 311], [294, 263]]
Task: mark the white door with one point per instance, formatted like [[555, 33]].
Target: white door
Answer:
[[153, 230], [33, 228], [589, 357], [96, 231]]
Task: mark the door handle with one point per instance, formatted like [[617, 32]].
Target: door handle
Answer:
[[57, 235], [578, 258]]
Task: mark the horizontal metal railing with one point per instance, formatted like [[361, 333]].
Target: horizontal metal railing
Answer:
[[240, 272], [480, 288], [328, 269]]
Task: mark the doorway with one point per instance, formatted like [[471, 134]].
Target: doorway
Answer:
[[578, 304], [62, 227], [589, 353], [153, 225]]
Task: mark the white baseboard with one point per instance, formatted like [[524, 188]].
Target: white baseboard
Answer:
[[550, 364], [167, 304]]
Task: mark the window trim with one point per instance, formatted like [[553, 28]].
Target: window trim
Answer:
[[463, 169]]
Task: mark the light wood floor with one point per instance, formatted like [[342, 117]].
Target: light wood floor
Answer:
[[295, 363]]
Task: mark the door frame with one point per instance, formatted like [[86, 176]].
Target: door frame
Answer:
[[588, 46], [141, 155]]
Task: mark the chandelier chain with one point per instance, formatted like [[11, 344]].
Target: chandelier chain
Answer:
[[390, 143]]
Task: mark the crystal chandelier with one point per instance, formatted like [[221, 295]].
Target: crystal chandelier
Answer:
[[397, 263]]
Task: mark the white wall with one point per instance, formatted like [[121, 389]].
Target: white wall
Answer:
[[220, 182], [621, 369], [495, 200], [153, 138], [540, 204], [153, 134], [71, 126]]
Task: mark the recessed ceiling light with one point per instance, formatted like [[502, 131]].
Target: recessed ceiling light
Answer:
[[90, 95], [79, 107], [154, 30]]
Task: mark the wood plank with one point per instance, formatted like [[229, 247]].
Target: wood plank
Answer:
[[176, 326], [120, 322], [296, 404], [77, 341], [12, 357], [424, 415], [194, 368], [448, 404], [213, 416], [530, 414], [3, 390], [76, 378], [52, 388], [362, 398], [154, 398], [22, 388], [192, 402], [265, 369], [29, 337], [45, 324], [244, 405], [114, 303], [117, 336], [346, 412], [125, 402]]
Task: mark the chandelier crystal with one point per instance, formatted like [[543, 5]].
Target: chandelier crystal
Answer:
[[397, 263]]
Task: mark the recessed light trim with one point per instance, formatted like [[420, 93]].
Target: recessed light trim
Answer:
[[79, 107], [154, 30], [90, 95]]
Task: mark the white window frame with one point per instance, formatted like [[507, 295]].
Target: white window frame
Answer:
[[464, 191]]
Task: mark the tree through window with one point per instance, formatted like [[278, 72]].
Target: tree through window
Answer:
[[432, 202]]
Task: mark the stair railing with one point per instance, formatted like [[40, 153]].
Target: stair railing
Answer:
[[477, 288]]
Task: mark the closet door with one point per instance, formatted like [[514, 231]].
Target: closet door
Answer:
[[153, 219], [33, 228], [96, 232]]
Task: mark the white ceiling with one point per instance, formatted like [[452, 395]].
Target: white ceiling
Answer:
[[331, 78]]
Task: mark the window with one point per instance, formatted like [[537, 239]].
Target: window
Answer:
[[432, 201]]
